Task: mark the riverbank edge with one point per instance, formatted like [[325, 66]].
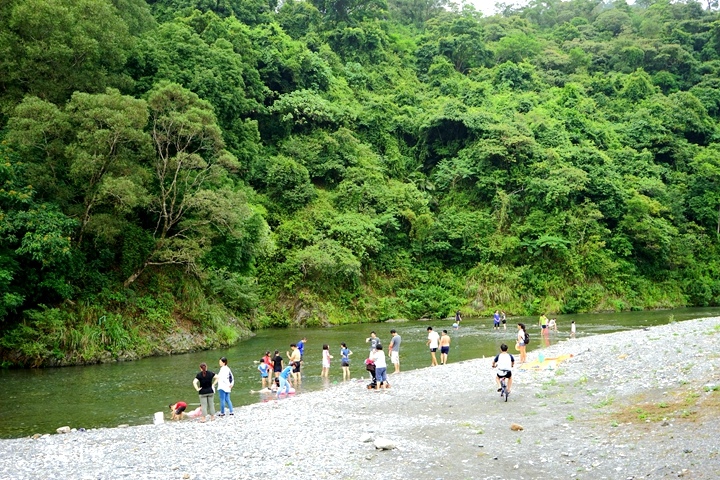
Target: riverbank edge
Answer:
[[181, 340]]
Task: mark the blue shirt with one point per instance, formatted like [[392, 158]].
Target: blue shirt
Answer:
[[301, 347], [263, 369], [344, 354], [286, 372]]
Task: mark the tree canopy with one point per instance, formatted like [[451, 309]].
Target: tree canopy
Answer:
[[229, 165]]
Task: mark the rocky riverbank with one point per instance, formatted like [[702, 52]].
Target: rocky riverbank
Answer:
[[629, 405]]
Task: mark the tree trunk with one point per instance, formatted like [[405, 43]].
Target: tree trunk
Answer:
[[135, 275]]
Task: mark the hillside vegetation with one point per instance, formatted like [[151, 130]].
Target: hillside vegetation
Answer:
[[176, 173]]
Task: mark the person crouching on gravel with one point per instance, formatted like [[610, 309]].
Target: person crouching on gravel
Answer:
[[177, 410], [504, 363]]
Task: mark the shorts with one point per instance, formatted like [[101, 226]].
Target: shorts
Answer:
[[445, 350], [507, 374], [544, 326], [296, 368], [433, 349], [394, 357], [345, 363], [521, 344], [381, 374], [504, 322], [179, 410], [326, 364], [264, 375], [496, 324]]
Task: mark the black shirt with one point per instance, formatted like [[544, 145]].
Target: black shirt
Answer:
[[277, 363], [205, 382]]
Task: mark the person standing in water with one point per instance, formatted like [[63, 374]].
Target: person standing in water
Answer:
[[345, 353], [521, 337], [432, 342], [277, 364], [503, 319], [572, 329], [444, 347], [395, 350], [326, 357], [373, 340], [295, 358], [225, 385]]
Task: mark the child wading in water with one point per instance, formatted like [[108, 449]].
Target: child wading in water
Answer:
[[345, 353], [326, 360]]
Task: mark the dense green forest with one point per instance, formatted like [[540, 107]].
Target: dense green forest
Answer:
[[176, 173]]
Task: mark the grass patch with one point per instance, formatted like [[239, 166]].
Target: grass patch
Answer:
[[605, 402], [681, 405]]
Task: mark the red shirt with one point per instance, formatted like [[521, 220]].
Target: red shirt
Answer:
[[180, 404]]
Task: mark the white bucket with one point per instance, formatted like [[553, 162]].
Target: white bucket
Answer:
[[159, 418]]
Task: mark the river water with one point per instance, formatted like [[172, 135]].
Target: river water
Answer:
[[41, 400]]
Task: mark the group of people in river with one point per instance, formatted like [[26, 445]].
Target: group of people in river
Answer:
[[280, 379]]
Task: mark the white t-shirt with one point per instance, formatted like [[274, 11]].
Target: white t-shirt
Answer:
[[378, 357], [434, 338], [504, 361], [224, 379]]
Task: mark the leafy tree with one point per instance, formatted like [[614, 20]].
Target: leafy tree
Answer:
[[189, 156], [52, 48]]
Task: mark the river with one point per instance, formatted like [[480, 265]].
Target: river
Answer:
[[41, 400]]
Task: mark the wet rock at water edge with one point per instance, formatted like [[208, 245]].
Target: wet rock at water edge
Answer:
[[515, 427], [64, 429]]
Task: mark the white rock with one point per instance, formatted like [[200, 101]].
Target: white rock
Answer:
[[366, 438], [384, 444], [64, 429]]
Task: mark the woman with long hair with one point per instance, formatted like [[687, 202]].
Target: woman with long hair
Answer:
[[521, 342], [204, 383]]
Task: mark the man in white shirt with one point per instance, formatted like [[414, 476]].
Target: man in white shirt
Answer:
[[433, 342], [504, 363]]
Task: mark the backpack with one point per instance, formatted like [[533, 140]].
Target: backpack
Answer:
[[527, 338], [230, 378]]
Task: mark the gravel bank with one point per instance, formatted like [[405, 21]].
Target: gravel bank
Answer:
[[628, 405]]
